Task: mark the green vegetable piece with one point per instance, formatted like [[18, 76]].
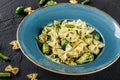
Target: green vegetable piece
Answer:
[[3, 57], [19, 10], [50, 3], [57, 24], [64, 43], [85, 2], [57, 27], [42, 1], [87, 57], [88, 36], [69, 25], [6, 74], [45, 48], [96, 36]]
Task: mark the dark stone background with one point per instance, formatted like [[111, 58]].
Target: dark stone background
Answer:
[[9, 22]]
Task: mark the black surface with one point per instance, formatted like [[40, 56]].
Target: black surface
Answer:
[[8, 25]]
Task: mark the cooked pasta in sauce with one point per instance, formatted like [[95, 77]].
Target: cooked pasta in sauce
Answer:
[[70, 42]]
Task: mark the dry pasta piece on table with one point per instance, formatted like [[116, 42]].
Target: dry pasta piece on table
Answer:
[[73, 1], [14, 70], [33, 76], [28, 10], [15, 45]]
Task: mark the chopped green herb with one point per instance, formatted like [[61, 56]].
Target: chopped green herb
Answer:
[[85, 2], [50, 3], [3, 57], [19, 10], [6, 74]]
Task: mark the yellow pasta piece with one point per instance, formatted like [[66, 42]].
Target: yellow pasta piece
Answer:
[[89, 41], [68, 47], [94, 49], [15, 45], [73, 54], [14, 70], [28, 10], [8, 68], [98, 44], [73, 1], [33, 76], [63, 57]]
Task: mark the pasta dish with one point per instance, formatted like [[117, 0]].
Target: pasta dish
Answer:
[[70, 42]]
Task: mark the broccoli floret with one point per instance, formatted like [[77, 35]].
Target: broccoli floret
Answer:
[[45, 48], [87, 57]]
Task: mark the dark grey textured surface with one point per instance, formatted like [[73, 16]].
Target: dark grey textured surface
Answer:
[[9, 22]]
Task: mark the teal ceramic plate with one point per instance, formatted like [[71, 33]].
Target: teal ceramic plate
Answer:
[[109, 29]]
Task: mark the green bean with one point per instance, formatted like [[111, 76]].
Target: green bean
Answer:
[[19, 10], [42, 1], [6, 74], [85, 2], [4, 57]]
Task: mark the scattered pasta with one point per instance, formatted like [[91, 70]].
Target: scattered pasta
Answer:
[[15, 45], [14, 70], [33, 76], [73, 1], [28, 10], [67, 41]]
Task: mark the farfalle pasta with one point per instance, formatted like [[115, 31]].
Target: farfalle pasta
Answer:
[[70, 42], [33, 76], [14, 70]]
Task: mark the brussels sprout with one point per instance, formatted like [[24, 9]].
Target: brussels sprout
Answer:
[[87, 57], [96, 36], [19, 10], [45, 48]]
